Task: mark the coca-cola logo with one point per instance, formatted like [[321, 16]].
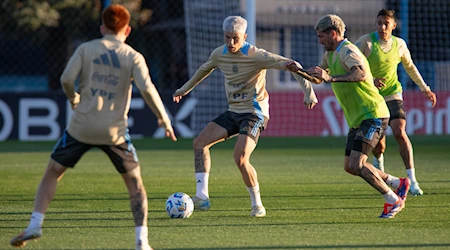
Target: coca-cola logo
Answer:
[[107, 79]]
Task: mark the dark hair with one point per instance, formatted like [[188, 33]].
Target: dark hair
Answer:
[[115, 17], [387, 13]]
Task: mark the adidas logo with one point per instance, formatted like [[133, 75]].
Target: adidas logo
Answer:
[[199, 181], [105, 59]]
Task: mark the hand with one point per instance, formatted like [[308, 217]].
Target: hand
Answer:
[[178, 95], [170, 134], [310, 105], [379, 82], [432, 96], [169, 129], [75, 101], [291, 66], [319, 73]]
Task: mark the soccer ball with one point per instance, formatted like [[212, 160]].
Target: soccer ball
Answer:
[[179, 205]]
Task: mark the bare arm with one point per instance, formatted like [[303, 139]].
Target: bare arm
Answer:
[[356, 74]]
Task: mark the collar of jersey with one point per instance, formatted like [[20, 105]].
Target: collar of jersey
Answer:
[[244, 49], [340, 45], [111, 37]]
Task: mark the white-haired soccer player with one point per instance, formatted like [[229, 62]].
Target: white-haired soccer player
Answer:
[[365, 110], [105, 68], [384, 52], [244, 67]]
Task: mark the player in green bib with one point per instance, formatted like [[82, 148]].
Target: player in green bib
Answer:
[[345, 67], [384, 52]]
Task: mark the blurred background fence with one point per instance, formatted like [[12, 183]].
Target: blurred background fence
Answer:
[[38, 37]]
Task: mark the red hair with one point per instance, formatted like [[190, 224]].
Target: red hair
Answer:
[[115, 17]]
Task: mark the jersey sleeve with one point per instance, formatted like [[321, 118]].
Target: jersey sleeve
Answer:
[[268, 60], [364, 44], [350, 57], [71, 73], [410, 67], [202, 72]]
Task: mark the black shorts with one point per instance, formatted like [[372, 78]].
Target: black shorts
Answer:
[[396, 110], [68, 152], [245, 124], [365, 137]]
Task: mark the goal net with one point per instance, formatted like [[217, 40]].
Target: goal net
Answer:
[[204, 33], [285, 27]]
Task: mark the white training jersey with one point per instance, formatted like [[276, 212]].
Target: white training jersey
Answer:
[[245, 77], [104, 69]]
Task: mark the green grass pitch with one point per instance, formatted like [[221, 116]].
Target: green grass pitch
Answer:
[[311, 202]]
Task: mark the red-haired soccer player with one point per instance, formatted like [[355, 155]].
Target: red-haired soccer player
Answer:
[[384, 52], [105, 68]]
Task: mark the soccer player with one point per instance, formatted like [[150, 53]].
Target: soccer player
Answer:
[[244, 67], [105, 68], [367, 114], [384, 52]]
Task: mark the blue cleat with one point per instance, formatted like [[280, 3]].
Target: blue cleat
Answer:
[[200, 204], [402, 190]]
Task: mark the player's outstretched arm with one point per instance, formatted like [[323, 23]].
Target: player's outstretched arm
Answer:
[[310, 98], [204, 71]]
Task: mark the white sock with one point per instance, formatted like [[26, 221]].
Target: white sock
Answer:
[[378, 162], [411, 174], [255, 195], [36, 220], [390, 197], [393, 182], [201, 180], [141, 235]]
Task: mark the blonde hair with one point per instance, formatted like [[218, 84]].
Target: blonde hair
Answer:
[[330, 22], [235, 24]]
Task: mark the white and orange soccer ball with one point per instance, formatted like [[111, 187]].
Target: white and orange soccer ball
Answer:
[[179, 205]]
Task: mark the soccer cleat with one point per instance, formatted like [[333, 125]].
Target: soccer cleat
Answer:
[[258, 211], [200, 204], [415, 189], [390, 210], [21, 239], [144, 247], [402, 190]]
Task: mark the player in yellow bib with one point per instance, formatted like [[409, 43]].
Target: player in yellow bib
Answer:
[[384, 52], [345, 67]]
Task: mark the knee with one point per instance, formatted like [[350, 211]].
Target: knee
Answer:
[[197, 143], [379, 149], [240, 160], [352, 168], [399, 134]]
